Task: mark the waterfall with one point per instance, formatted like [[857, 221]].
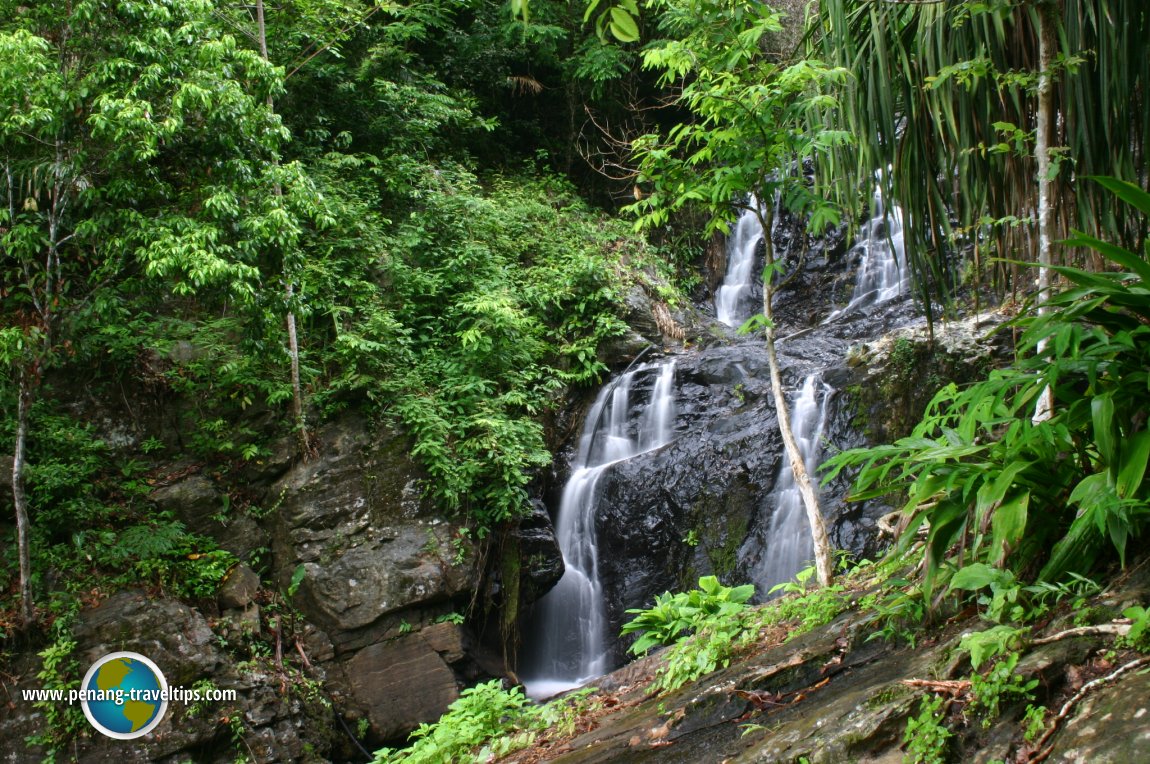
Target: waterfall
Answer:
[[570, 621], [732, 298], [789, 546], [882, 274]]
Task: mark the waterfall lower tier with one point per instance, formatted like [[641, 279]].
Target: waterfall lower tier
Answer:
[[789, 548], [570, 625]]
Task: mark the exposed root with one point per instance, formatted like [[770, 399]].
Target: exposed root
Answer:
[[1118, 628], [1042, 750]]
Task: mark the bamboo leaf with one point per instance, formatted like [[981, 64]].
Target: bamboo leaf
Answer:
[[1127, 192], [1102, 416]]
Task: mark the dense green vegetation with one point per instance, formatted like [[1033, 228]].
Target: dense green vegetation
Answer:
[[173, 194], [281, 214], [1017, 505], [967, 108], [673, 614], [994, 484], [489, 722]]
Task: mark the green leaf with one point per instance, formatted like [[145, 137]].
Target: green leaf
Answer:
[[741, 593], [1009, 524], [1119, 531], [755, 322], [1135, 454], [623, 25], [974, 577], [1126, 191], [1102, 415], [297, 578], [1123, 257], [983, 645]]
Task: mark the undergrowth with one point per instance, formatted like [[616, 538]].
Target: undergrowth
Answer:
[[96, 522], [487, 722], [721, 629]]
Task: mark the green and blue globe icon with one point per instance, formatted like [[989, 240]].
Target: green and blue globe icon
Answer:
[[125, 695]]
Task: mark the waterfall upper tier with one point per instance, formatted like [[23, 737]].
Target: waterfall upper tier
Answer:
[[734, 300], [883, 274]]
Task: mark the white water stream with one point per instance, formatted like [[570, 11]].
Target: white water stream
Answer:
[[788, 542], [570, 619], [883, 274], [733, 299]]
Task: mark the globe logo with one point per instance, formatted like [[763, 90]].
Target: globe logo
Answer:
[[124, 695]]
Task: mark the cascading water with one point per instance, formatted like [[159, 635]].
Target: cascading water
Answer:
[[656, 501], [732, 300], [570, 620], [882, 274], [882, 277], [788, 541]]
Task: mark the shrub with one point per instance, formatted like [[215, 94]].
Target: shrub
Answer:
[[673, 614], [992, 485]]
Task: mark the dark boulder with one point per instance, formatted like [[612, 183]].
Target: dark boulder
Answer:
[[372, 549]]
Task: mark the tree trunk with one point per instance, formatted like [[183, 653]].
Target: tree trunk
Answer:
[[289, 286], [821, 542], [19, 499], [296, 388], [1044, 130]]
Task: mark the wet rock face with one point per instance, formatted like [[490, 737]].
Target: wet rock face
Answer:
[[653, 507], [701, 504], [541, 561]]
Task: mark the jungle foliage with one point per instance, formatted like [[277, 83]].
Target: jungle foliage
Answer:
[[994, 486], [407, 182], [385, 177], [942, 103]]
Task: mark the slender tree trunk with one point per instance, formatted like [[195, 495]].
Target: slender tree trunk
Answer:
[[27, 371], [821, 542], [296, 388], [289, 285], [19, 499], [1044, 131]]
